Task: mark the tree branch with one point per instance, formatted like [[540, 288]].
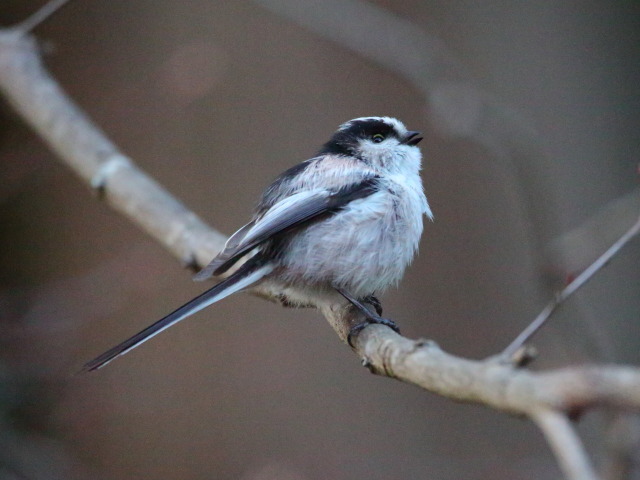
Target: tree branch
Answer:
[[570, 289], [571, 252], [84, 148], [493, 383], [565, 444], [548, 398]]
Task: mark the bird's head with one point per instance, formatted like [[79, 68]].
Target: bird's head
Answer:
[[381, 142]]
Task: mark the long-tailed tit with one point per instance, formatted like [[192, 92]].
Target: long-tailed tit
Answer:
[[347, 221]]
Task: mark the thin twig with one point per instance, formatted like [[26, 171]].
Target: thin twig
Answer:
[[565, 444], [571, 288], [41, 15]]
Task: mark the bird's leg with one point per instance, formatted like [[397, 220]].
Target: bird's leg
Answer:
[[374, 302], [370, 316]]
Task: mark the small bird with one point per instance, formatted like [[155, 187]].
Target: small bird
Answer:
[[347, 221]]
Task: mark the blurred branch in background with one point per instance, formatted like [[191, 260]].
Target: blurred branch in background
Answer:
[[549, 398], [456, 107], [574, 250], [40, 16]]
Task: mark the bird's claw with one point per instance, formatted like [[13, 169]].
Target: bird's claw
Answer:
[[356, 329], [375, 303]]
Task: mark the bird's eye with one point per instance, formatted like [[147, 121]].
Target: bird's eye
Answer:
[[377, 138]]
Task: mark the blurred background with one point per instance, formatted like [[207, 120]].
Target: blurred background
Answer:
[[530, 115]]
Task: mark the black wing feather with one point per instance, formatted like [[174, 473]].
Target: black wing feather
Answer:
[[312, 210]]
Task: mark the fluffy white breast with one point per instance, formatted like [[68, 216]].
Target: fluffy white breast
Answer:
[[364, 248]]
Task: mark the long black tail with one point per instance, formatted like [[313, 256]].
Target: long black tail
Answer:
[[248, 274]]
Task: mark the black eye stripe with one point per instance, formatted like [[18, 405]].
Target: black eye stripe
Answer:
[[369, 128], [347, 140]]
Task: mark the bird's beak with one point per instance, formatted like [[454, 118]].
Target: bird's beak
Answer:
[[412, 138]]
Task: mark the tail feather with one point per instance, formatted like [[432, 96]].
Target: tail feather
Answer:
[[245, 276]]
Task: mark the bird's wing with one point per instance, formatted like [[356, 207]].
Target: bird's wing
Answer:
[[230, 246], [293, 211], [247, 275]]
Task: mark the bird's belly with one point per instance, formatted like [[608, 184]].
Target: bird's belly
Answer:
[[363, 249]]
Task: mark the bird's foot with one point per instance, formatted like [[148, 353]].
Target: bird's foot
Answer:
[[374, 302], [370, 316], [356, 329]]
